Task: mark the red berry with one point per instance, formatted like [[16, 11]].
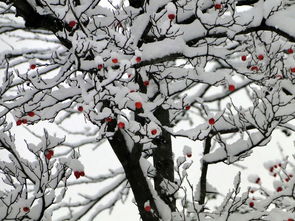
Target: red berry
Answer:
[[49, 154], [211, 121], [121, 125], [100, 66], [72, 24], [274, 174], [24, 121], [271, 169], [257, 180], [146, 83], [26, 209], [108, 119], [279, 189], [147, 208], [154, 132], [251, 204], [287, 179], [33, 66], [131, 91], [129, 75], [290, 219], [77, 174], [252, 191], [217, 6], [292, 69], [260, 57], [171, 16], [254, 68], [138, 105], [290, 51], [187, 107], [115, 60], [80, 108], [19, 122], [244, 58], [290, 175], [231, 87], [31, 114], [189, 155], [138, 59], [279, 164], [275, 166], [82, 173]]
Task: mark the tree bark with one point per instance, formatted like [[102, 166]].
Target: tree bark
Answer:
[[135, 176], [163, 159], [203, 178], [34, 20]]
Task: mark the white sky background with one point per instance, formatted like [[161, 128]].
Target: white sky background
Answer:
[[220, 175]]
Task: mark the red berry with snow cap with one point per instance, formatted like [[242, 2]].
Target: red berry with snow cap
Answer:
[[31, 114], [231, 87], [147, 208], [80, 108], [115, 60], [138, 105], [138, 59], [18, 122], [26, 209], [189, 155], [244, 58], [260, 57], [33, 66], [121, 125], [290, 51], [279, 189], [72, 24], [49, 154], [100, 66], [211, 121], [254, 68], [217, 6], [77, 174], [108, 119], [154, 132], [171, 16]]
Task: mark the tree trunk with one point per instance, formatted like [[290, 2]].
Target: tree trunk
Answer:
[[203, 178], [135, 176], [163, 159]]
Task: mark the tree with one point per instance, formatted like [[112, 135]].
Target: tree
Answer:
[[135, 70]]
